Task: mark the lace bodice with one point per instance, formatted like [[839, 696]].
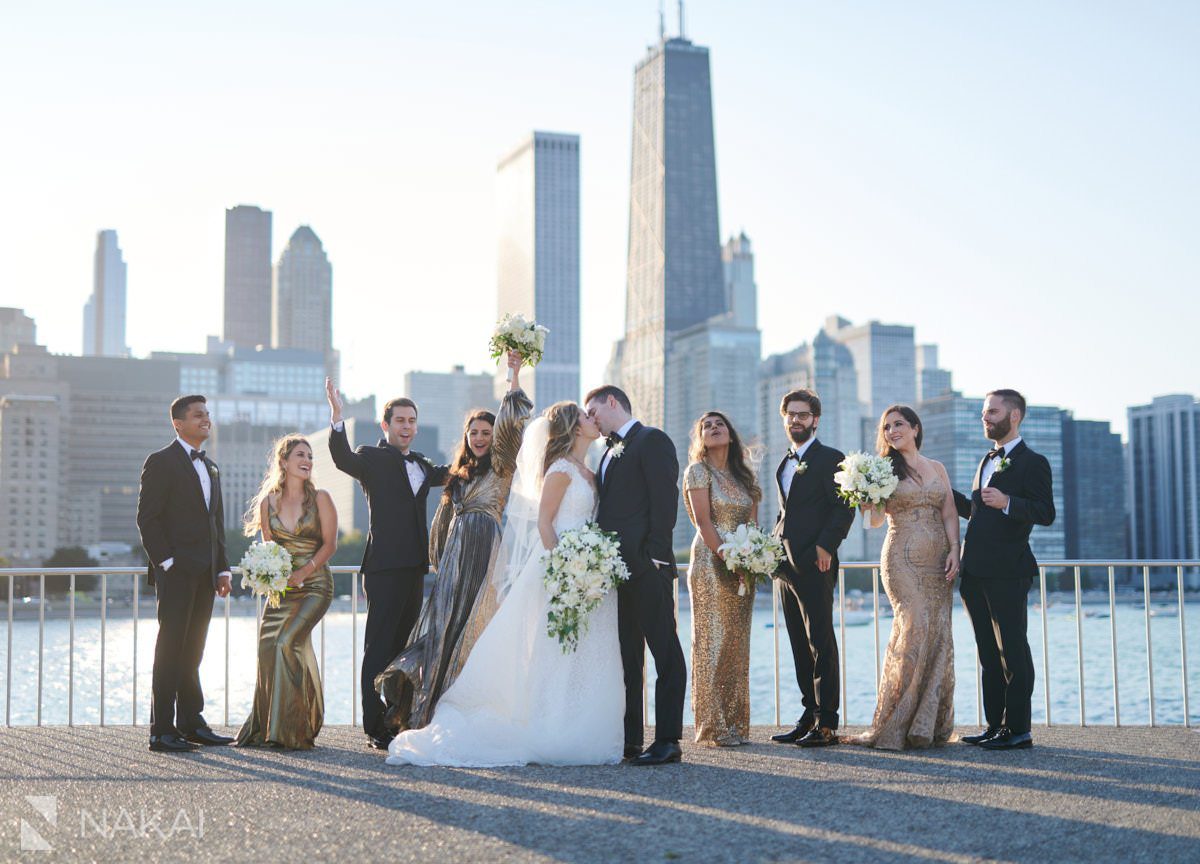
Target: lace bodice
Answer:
[[579, 501], [912, 503]]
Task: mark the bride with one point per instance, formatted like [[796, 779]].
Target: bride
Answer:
[[519, 699]]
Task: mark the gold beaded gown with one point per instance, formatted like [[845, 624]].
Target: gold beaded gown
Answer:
[[915, 706], [464, 541], [720, 618], [289, 706]]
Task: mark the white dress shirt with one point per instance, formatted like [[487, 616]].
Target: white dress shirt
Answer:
[[416, 471], [989, 467], [785, 479], [623, 431]]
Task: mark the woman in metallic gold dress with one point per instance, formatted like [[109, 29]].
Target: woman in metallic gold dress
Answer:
[[720, 493], [289, 707], [915, 705], [463, 542]]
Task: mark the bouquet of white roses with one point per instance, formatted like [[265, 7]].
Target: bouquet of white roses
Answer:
[[865, 479], [584, 566], [265, 569], [515, 332], [752, 550]]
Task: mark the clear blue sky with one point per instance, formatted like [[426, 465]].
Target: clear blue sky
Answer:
[[1018, 180]]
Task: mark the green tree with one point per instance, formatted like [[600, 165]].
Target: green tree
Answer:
[[70, 556], [351, 547]]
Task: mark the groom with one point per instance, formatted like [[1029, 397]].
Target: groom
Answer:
[[639, 496], [1013, 491], [396, 481]]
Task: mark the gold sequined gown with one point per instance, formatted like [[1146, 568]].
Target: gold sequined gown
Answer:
[[289, 707], [915, 706], [720, 618], [464, 541]]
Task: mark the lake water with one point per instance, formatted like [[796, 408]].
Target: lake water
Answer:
[[334, 641]]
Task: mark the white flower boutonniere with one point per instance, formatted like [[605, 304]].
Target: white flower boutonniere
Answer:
[[212, 469], [801, 467], [1002, 465], [616, 450]]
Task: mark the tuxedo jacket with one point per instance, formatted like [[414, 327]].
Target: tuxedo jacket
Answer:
[[639, 499], [397, 534], [811, 514], [997, 545], [174, 521]]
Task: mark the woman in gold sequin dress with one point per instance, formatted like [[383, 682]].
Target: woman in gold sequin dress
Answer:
[[915, 705], [720, 493], [463, 542], [289, 707]]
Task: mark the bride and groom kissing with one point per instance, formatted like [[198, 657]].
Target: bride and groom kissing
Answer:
[[481, 683]]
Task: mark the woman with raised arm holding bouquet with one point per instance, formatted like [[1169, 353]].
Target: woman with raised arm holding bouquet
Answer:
[[291, 513], [463, 543], [721, 496], [915, 705]]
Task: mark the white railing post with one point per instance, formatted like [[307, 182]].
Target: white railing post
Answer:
[[1112, 628], [71, 652], [875, 621], [1149, 646], [41, 640], [1079, 640], [8, 656], [774, 639], [1187, 716], [1045, 643], [353, 644], [842, 651], [137, 602], [228, 601], [103, 630]]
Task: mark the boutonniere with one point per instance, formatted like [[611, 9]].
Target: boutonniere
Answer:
[[1002, 465], [615, 451], [212, 469], [801, 467]]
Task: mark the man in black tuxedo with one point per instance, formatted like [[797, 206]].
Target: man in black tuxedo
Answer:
[[181, 519], [396, 482], [1012, 492], [638, 479], [813, 522]]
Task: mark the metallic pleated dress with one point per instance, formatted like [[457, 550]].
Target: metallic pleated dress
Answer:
[[289, 708], [463, 542]]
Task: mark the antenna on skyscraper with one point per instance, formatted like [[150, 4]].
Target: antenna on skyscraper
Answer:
[[681, 33], [662, 22]]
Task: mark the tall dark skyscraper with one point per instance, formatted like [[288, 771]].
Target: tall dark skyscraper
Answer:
[[675, 278], [247, 276]]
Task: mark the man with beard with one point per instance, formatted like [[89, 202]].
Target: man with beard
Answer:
[[1012, 492], [813, 522]]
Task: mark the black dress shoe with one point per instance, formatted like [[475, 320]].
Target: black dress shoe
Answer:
[[986, 735], [1008, 740], [803, 727], [170, 744], [819, 736], [631, 753], [659, 753], [206, 736], [379, 741]]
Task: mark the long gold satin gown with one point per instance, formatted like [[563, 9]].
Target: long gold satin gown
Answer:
[[915, 706], [720, 618], [289, 707], [463, 541]]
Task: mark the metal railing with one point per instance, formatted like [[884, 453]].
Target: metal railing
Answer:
[[1075, 567]]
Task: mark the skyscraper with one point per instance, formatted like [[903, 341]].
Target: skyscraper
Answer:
[[445, 398], [16, 328], [104, 312], [538, 255], [885, 359], [932, 381], [1094, 492], [674, 276], [1164, 481], [302, 303], [247, 276]]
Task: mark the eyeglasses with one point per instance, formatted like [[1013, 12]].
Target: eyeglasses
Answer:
[[793, 416]]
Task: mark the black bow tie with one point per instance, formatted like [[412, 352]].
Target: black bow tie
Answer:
[[197, 454], [410, 457], [792, 454], [613, 440], [999, 451]]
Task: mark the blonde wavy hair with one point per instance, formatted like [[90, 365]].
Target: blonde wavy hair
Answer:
[[563, 418], [273, 482]]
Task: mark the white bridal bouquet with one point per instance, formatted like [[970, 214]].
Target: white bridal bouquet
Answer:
[[515, 332], [584, 566], [265, 568], [865, 478], [752, 550]]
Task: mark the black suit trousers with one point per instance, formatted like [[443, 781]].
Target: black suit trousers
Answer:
[[807, 601], [393, 606], [1000, 617], [185, 604], [646, 617]]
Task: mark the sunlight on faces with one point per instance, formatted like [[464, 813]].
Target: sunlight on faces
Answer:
[[714, 431], [299, 462], [799, 422], [402, 429], [898, 432], [588, 428], [998, 419], [479, 437], [607, 414], [196, 426]]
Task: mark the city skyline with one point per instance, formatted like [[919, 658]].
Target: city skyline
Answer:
[[980, 186]]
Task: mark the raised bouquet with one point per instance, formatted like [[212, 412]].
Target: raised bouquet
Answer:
[[266, 567], [865, 478], [515, 332], [584, 566], [753, 551]]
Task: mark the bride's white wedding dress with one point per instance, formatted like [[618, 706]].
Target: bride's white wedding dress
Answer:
[[519, 699]]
